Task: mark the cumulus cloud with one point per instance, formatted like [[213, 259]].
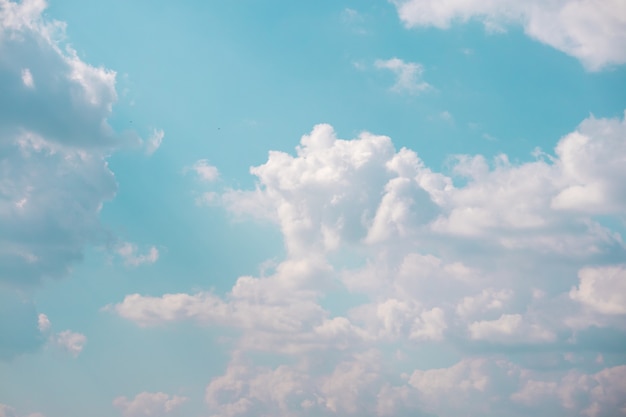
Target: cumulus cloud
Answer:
[[408, 75], [602, 289], [579, 28], [489, 258], [149, 404], [54, 176], [71, 342]]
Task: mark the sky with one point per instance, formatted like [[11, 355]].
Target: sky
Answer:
[[333, 208]]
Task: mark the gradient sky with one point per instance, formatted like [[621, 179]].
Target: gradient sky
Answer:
[[331, 208]]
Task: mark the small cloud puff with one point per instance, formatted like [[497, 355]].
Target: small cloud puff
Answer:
[[154, 141], [27, 78], [130, 254], [43, 323], [71, 342], [205, 171], [408, 75]]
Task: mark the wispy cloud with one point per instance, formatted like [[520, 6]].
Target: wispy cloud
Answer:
[[408, 75]]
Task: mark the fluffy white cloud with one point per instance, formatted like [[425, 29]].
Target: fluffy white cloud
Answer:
[[602, 289], [27, 78], [483, 259], [70, 341], [54, 177], [408, 75], [43, 323], [593, 33], [149, 404], [358, 385]]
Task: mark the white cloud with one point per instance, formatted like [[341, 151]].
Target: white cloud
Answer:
[[154, 141], [408, 75], [510, 329], [54, 177], [149, 404], [27, 78], [129, 253], [488, 299], [43, 323], [591, 162], [481, 259], [71, 342], [602, 289], [205, 171], [594, 35]]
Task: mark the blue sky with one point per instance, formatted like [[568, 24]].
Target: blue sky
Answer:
[[372, 208]]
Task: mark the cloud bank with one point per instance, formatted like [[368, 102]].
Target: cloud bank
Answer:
[[490, 259]]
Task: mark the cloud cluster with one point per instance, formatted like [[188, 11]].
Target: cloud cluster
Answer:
[[591, 32], [54, 178], [149, 404], [54, 141], [481, 259]]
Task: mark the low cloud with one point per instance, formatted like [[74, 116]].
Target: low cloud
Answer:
[[149, 404], [594, 35], [492, 258]]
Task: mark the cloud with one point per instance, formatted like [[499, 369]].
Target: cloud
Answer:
[[54, 141], [510, 328], [27, 78], [594, 35], [43, 323], [205, 171], [149, 404], [129, 253], [358, 385], [602, 289], [71, 342], [408, 75], [484, 260], [154, 141]]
